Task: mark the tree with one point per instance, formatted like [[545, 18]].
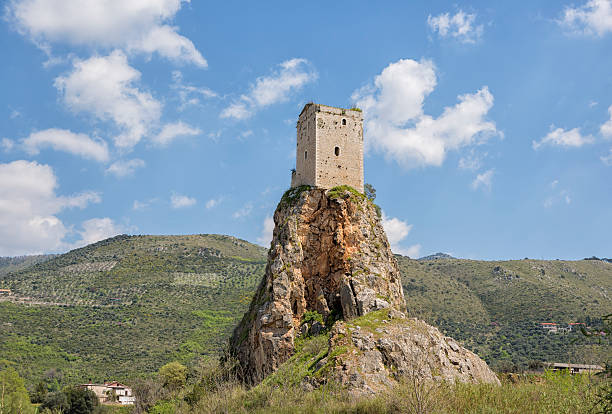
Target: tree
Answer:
[[370, 192], [14, 397], [81, 400], [173, 375], [71, 400]]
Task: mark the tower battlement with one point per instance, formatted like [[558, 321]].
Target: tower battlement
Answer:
[[329, 147]]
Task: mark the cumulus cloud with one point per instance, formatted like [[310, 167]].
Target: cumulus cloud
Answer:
[[96, 229], [396, 125], [124, 168], [68, 141], [29, 206], [562, 196], [213, 202], [397, 230], [181, 201], [188, 94], [134, 25], [7, 144], [562, 138], [459, 26], [607, 159], [172, 131], [266, 232], [244, 211], [606, 128], [291, 76], [483, 181], [592, 18], [104, 86], [471, 161]]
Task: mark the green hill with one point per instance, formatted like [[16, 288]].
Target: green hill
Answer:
[[496, 308], [14, 264], [125, 306]]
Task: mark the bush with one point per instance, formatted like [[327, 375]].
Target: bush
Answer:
[[173, 375]]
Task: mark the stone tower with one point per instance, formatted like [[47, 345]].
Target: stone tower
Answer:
[[329, 147]]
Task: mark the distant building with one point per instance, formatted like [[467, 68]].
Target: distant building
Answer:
[[574, 368], [549, 327], [105, 392], [4, 292]]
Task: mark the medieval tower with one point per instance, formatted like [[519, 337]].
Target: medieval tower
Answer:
[[329, 147]]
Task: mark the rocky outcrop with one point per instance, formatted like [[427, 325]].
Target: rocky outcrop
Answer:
[[330, 258], [373, 352], [329, 254]]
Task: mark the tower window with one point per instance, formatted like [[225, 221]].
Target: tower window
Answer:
[[337, 151], [344, 122], [305, 155]]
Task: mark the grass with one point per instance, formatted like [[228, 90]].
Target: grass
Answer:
[[345, 191], [549, 393]]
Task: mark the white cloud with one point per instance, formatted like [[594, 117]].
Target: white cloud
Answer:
[[459, 26], [396, 125], [471, 161], [292, 75], [96, 229], [593, 18], [29, 206], [188, 94], [607, 159], [244, 211], [213, 202], [7, 144], [560, 196], [181, 201], [483, 181], [172, 131], [606, 128], [266, 232], [124, 168], [560, 137], [397, 230], [104, 87], [64, 140], [134, 25]]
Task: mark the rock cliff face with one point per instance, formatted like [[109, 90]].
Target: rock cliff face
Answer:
[[330, 255]]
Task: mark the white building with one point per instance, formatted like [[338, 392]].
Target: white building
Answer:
[[112, 392]]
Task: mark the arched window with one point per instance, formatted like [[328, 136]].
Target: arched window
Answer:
[[337, 151], [305, 155], [343, 121]]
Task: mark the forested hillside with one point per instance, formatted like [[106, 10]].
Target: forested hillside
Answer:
[[14, 264], [495, 308], [125, 306]]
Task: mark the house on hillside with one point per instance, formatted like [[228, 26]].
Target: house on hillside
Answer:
[[111, 392], [549, 327], [574, 368], [5, 292]]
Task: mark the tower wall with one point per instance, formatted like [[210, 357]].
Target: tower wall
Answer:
[[334, 137]]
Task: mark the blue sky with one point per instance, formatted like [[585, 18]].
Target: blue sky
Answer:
[[488, 126]]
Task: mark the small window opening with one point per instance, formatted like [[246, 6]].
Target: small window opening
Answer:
[[344, 122], [337, 151], [305, 155]]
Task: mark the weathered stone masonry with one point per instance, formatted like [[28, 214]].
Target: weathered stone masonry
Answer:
[[329, 147]]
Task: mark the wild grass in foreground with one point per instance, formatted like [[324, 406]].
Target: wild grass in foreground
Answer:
[[548, 393]]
